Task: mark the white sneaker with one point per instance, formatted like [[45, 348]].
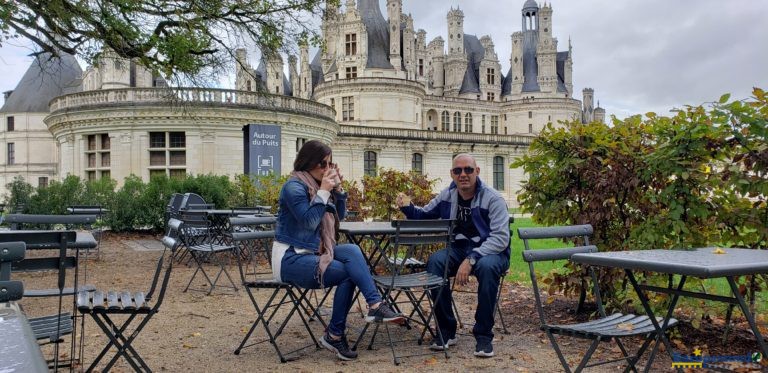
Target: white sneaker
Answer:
[[435, 346]]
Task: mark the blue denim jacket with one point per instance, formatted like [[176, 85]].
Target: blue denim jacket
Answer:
[[298, 219]]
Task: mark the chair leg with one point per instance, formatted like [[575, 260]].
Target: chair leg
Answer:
[[559, 353], [587, 356], [498, 307], [118, 340]]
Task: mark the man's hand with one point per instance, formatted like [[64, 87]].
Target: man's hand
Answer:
[[402, 200], [462, 274]]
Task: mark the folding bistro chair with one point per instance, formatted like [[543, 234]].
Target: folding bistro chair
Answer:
[[104, 306], [49, 329], [411, 236], [603, 329], [284, 300], [203, 247]]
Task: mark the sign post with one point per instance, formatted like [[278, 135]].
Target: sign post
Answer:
[[262, 147]]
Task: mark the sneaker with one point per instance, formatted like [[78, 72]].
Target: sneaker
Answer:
[[384, 313], [435, 346], [484, 349], [338, 346]]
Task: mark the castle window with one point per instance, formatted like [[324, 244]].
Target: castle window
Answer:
[[457, 122], [530, 114], [369, 163], [468, 123], [299, 143], [347, 108], [494, 124], [417, 163], [98, 156], [498, 173], [483, 123], [445, 121], [248, 85], [10, 121], [351, 72], [490, 96], [11, 154], [490, 77], [530, 127], [42, 182], [350, 44], [421, 67], [167, 154]]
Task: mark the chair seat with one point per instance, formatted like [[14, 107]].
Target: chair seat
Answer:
[[112, 302], [210, 248], [615, 325], [51, 327], [267, 284], [411, 280]]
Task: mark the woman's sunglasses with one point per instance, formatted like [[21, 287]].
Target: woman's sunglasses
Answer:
[[467, 170], [324, 164]]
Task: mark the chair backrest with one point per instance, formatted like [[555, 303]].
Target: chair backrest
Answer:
[[86, 210], [164, 267], [252, 235], [30, 221], [11, 291], [10, 252], [531, 256], [412, 235], [44, 240], [191, 199]]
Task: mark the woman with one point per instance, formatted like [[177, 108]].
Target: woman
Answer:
[[311, 204]]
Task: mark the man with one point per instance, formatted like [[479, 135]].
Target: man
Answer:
[[481, 248]]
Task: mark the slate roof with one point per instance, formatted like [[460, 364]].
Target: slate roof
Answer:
[[378, 35], [44, 80], [475, 53]]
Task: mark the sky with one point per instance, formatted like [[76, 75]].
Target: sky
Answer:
[[638, 55]]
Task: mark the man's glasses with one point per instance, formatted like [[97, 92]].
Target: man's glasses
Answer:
[[324, 164], [469, 170]]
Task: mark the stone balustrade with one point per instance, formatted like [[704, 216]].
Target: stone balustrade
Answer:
[[430, 135], [189, 96]]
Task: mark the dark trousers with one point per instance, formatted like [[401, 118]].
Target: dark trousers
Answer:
[[488, 271]]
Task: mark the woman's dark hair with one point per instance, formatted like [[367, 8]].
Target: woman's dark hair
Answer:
[[310, 155]]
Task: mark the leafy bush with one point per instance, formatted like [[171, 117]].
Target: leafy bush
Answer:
[[694, 179], [18, 195]]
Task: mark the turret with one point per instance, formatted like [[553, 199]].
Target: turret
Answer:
[[546, 52], [437, 51], [568, 70], [394, 10], [599, 113], [456, 63], [274, 71], [455, 32], [516, 62], [293, 75], [305, 88], [490, 71], [409, 48], [530, 16], [588, 109]]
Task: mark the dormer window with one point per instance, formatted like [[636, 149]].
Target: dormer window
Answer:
[[350, 44], [490, 76]]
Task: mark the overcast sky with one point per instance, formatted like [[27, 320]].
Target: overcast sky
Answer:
[[638, 55]]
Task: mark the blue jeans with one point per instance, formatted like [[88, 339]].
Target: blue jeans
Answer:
[[347, 270], [488, 271]]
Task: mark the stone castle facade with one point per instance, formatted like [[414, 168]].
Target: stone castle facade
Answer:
[[379, 93]]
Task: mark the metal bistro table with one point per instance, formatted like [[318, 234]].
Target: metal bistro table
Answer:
[[219, 218], [380, 233], [19, 351], [708, 262]]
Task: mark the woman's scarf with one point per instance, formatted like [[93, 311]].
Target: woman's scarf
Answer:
[[328, 225]]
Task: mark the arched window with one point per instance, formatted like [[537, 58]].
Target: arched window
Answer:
[[457, 122], [446, 121], [468, 122], [369, 163], [417, 163], [498, 173]]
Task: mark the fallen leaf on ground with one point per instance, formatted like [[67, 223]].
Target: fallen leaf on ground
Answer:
[[625, 326], [718, 251], [187, 345], [196, 334]]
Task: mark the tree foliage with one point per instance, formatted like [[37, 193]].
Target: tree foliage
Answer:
[[171, 37], [693, 179]]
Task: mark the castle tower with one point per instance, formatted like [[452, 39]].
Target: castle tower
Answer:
[[516, 63], [242, 77], [305, 88], [293, 75], [456, 64], [530, 16], [588, 111], [394, 10], [546, 52], [599, 113], [329, 28], [409, 48], [568, 70], [115, 70], [490, 72], [274, 72], [421, 70], [437, 53]]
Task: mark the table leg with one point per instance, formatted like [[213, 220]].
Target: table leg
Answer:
[[748, 315], [660, 336]]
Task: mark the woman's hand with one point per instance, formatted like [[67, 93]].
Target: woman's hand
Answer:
[[329, 180], [339, 178]]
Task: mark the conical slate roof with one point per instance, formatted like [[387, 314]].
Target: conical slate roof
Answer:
[[378, 34], [45, 79]]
